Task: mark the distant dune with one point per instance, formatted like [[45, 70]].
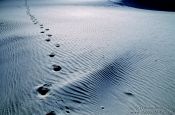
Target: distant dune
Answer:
[[163, 5]]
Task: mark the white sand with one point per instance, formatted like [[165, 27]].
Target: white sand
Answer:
[[115, 60]]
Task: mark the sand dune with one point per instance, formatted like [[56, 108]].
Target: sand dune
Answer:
[[93, 57]]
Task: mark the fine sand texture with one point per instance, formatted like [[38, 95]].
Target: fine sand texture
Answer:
[[86, 57]]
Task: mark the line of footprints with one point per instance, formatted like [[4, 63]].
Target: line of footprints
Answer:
[[44, 89]]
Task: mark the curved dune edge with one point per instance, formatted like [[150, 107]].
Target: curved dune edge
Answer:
[[159, 5]]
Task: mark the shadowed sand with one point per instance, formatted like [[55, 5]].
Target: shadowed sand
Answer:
[[160, 5]]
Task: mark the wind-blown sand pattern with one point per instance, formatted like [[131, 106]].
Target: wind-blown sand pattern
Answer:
[[92, 57]]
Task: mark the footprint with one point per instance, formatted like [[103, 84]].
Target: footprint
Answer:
[[49, 35], [56, 67], [42, 32], [51, 113], [43, 90], [47, 29], [128, 93], [57, 45], [102, 107], [52, 55], [48, 40], [41, 27], [41, 24], [67, 109]]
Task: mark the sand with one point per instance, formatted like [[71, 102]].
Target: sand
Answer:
[[92, 57]]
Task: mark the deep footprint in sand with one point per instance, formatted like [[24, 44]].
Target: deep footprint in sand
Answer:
[[49, 35], [57, 45], [51, 113], [67, 109], [42, 32], [56, 67], [43, 90], [48, 40], [102, 107], [128, 94], [51, 54]]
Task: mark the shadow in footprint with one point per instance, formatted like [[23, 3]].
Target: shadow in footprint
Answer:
[[42, 32], [51, 113], [48, 40], [49, 35], [57, 45], [128, 94], [102, 107], [43, 90], [67, 109], [56, 67], [51, 55]]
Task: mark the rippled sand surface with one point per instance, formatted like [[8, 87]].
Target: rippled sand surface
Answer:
[[90, 57]]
